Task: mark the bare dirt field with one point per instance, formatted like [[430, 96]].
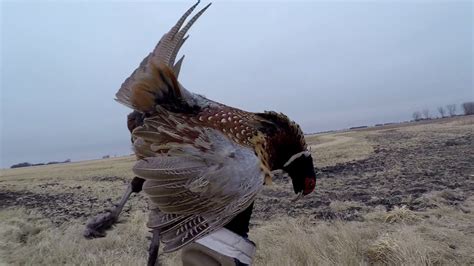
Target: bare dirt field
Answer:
[[397, 195]]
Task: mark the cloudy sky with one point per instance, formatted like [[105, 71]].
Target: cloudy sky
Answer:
[[328, 65]]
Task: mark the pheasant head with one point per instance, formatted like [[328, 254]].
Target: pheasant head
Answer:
[[285, 149]]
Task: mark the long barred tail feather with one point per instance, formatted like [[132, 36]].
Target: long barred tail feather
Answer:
[[155, 80]]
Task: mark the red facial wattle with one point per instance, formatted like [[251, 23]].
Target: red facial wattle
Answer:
[[309, 184]]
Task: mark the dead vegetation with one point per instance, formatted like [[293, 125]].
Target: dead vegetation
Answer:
[[333, 149], [385, 196]]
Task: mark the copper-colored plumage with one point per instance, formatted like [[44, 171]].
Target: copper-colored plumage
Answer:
[[159, 83], [204, 162]]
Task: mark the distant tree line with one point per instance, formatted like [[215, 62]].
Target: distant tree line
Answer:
[[468, 108], [26, 164], [447, 111]]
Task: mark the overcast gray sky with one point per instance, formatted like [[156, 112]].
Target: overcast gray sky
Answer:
[[328, 65]]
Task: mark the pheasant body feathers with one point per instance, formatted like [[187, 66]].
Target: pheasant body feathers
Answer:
[[203, 162]]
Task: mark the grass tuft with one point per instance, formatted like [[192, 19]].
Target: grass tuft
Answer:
[[401, 215]]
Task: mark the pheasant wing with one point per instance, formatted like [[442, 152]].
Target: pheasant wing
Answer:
[[198, 178]]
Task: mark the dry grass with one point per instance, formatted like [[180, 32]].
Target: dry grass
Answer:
[[401, 215], [66, 178], [405, 247], [120, 167], [28, 239], [440, 234], [340, 206], [332, 149], [409, 241]]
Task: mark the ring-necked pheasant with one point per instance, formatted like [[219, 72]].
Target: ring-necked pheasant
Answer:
[[203, 161]]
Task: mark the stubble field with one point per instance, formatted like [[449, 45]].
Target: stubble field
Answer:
[[399, 195]]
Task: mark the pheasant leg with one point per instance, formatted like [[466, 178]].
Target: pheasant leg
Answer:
[[97, 226], [154, 247]]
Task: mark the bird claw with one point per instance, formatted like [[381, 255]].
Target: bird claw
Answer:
[[90, 233], [97, 226]]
